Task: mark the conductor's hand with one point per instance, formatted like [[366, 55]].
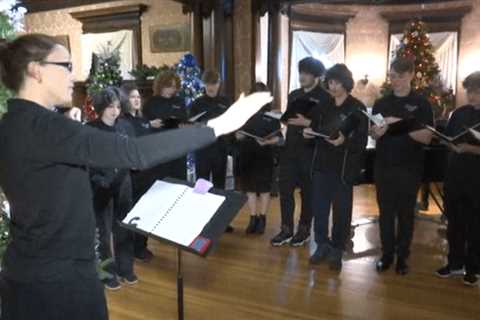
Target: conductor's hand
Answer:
[[157, 123], [236, 116]]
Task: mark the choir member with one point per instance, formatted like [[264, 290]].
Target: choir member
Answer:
[[112, 195], [49, 265], [462, 205], [212, 160], [254, 164], [167, 106], [296, 156], [337, 162], [399, 164], [141, 180]]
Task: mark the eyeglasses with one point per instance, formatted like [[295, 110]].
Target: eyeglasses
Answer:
[[66, 65]]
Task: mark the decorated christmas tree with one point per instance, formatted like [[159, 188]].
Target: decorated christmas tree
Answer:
[[191, 88], [416, 45], [7, 32], [104, 72]]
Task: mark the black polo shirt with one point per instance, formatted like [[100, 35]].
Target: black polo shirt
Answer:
[[401, 150]]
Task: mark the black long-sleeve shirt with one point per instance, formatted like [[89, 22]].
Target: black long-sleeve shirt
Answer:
[[463, 167], [401, 150], [166, 109], [348, 119], [294, 141], [43, 175], [213, 107]]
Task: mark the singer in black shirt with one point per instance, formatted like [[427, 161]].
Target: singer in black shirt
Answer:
[[399, 163], [462, 182]]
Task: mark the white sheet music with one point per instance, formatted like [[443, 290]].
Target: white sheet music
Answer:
[[174, 212]]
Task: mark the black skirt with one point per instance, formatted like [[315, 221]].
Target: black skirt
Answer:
[[254, 167]]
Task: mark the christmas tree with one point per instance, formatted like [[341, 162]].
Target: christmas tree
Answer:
[[104, 72], [191, 88], [416, 45], [7, 32]]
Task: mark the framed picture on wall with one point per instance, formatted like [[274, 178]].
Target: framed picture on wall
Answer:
[[64, 41], [170, 38]]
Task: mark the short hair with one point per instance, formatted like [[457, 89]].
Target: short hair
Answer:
[[402, 65], [104, 98], [164, 80], [341, 74], [472, 81], [259, 87], [211, 77], [311, 66], [17, 54]]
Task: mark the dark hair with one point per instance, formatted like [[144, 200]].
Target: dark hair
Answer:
[[402, 65], [104, 98], [16, 55], [341, 74], [261, 87], [311, 66], [164, 80], [472, 81], [211, 77], [127, 88]]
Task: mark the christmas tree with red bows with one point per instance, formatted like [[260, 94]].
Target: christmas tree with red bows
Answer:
[[416, 46]]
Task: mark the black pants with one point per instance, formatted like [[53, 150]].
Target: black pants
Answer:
[[397, 190], [462, 209], [78, 295], [328, 192], [294, 171], [212, 163], [111, 206]]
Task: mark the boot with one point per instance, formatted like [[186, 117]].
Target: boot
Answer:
[[262, 220], [252, 225]]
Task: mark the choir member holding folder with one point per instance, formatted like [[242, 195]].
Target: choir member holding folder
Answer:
[[141, 180], [254, 164], [296, 154], [211, 160], [112, 194], [462, 182], [49, 265], [399, 163], [170, 108], [337, 162]]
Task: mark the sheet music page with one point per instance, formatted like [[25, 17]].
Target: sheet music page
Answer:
[[189, 216]]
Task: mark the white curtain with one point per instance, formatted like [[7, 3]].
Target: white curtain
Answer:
[[327, 47], [445, 47], [261, 68], [97, 42]]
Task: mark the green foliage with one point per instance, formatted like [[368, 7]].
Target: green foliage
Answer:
[[144, 72], [6, 32]]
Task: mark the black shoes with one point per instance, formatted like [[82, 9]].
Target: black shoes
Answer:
[[402, 267], [229, 229], [447, 272], [112, 284], [321, 254], [256, 224], [130, 279], [282, 238], [262, 221], [383, 264], [301, 237], [470, 279], [252, 225]]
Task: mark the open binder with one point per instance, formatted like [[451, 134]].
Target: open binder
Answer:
[[173, 212]]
